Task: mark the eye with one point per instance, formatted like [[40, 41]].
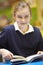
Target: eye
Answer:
[[19, 16], [26, 16]]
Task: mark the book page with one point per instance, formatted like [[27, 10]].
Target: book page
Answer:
[[18, 58], [27, 59], [33, 57]]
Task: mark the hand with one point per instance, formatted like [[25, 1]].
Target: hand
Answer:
[[7, 55], [40, 52]]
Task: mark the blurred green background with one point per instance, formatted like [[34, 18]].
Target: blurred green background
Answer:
[[34, 21]]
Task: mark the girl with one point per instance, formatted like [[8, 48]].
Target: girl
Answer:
[[21, 38]]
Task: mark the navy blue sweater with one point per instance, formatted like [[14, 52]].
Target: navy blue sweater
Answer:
[[20, 44]]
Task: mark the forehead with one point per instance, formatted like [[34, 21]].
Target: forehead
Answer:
[[23, 11]]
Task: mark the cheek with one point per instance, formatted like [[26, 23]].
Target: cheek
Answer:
[[28, 20], [18, 20]]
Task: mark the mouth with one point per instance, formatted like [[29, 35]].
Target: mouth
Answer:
[[23, 23]]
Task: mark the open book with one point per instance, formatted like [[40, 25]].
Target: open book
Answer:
[[27, 59]]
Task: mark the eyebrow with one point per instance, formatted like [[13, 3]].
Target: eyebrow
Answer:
[[20, 16]]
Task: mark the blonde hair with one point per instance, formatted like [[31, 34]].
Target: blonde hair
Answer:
[[19, 5]]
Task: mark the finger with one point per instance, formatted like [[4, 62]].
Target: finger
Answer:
[[40, 52], [12, 55], [8, 57]]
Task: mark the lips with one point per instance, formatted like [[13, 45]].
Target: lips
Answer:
[[23, 23]]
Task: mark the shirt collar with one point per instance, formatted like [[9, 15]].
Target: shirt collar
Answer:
[[31, 29]]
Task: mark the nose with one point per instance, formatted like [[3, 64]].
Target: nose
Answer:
[[23, 19]]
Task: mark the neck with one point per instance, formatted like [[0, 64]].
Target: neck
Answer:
[[24, 28]]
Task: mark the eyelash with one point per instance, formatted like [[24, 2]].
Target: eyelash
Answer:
[[26, 16]]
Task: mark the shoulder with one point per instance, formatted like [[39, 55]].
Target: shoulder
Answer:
[[8, 30], [9, 27], [37, 31]]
